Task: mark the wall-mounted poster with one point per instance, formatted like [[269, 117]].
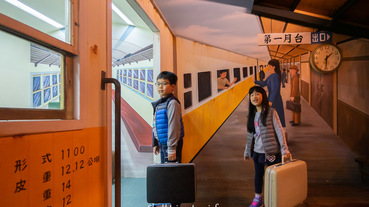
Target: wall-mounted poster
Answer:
[[187, 99], [237, 74], [37, 99], [204, 85], [187, 83], [251, 71], [244, 69]]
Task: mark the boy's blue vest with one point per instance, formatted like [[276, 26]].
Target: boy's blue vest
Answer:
[[161, 118]]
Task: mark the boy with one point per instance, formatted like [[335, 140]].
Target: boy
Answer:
[[223, 82], [167, 129]]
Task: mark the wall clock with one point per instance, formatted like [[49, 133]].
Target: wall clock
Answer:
[[326, 58]]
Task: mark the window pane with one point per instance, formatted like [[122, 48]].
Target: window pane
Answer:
[[30, 75], [51, 17]]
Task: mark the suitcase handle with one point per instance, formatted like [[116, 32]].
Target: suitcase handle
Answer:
[[283, 157]]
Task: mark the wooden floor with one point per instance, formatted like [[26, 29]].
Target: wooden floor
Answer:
[[224, 178]]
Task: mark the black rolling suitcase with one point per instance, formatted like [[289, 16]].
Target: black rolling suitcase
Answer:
[[171, 183]]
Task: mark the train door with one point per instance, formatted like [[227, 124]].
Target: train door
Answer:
[[322, 95], [134, 65], [52, 114]]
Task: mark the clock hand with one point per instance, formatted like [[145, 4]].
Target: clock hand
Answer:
[[329, 55]]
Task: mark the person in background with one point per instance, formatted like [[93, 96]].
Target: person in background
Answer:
[[273, 83], [223, 82], [261, 73], [295, 94], [284, 78], [266, 141]]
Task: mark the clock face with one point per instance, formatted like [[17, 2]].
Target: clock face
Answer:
[[326, 58]]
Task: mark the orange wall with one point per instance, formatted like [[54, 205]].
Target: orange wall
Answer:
[[201, 123], [24, 161]]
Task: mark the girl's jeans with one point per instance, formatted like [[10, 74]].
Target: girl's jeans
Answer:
[[259, 164]]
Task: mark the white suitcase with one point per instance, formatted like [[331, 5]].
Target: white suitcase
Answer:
[[285, 185]]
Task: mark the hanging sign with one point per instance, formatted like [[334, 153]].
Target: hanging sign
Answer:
[[294, 38]]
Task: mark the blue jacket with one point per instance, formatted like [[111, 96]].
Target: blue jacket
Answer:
[[161, 120], [273, 82]]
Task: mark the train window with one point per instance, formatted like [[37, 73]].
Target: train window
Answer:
[[244, 72], [204, 85], [187, 99], [237, 74], [251, 70], [37, 60], [219, 83], [187, 80], [49, 17]]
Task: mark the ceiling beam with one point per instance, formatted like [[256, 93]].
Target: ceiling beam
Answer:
[[294, 5], [342, 9], [309, 21], [280, 53]]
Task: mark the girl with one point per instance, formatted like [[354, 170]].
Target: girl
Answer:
[[265, 138]]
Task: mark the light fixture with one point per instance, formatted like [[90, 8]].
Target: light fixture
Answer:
[[120, 14], [35, 13]]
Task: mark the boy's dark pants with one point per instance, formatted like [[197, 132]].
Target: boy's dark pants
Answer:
[[259, 164], [164, 157], [164, 152]]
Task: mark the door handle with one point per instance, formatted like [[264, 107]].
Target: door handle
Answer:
[[117, 172], [321, 88]]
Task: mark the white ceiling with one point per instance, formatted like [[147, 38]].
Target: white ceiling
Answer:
[[220, 25]]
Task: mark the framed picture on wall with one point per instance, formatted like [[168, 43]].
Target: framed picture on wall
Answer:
[[245, 73], [204, 85], [237, 74], [187, 83], [187, 99]]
